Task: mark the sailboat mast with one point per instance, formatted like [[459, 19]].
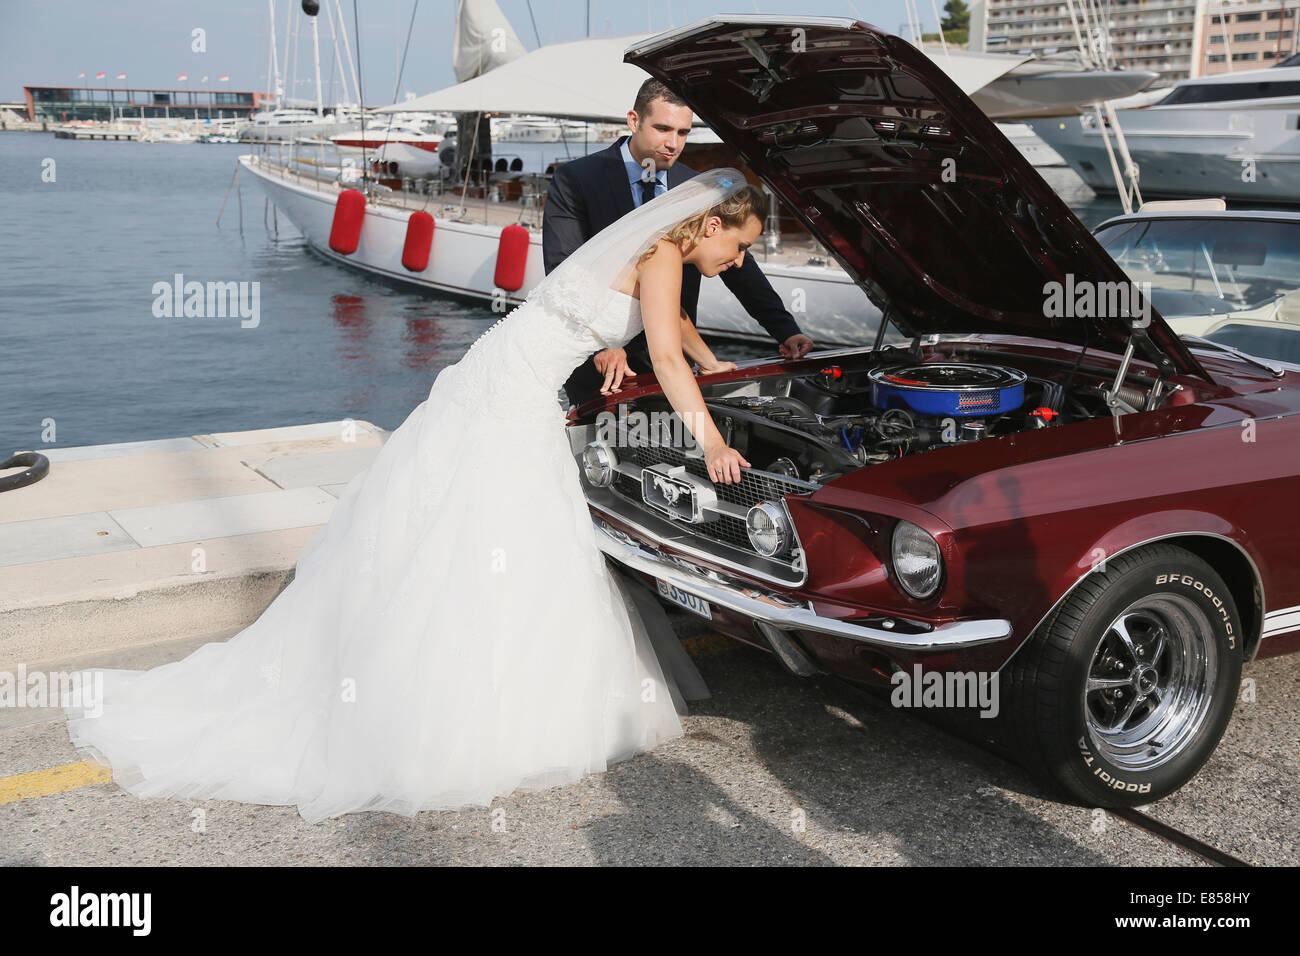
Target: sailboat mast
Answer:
[[347, 50], [288, 32], [337, 67], [273, 59], [315, 50]]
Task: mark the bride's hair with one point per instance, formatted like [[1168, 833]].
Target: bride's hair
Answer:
[[734, 211]]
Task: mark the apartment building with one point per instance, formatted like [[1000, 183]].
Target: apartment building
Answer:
[[1246, 36], [1163, 36]]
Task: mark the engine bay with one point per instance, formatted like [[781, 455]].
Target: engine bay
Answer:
[[816, 427]]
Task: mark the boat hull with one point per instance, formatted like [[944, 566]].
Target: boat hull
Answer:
[[1246, 155], [291, 132], [828, 306]]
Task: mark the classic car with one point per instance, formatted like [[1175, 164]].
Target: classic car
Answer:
[[1070, 500], [1227, 275]]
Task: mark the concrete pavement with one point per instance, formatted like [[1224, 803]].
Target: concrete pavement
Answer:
[[128, 544], [772, 770], [134, 555]]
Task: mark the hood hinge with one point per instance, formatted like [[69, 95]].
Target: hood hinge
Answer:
[[1122, 400]]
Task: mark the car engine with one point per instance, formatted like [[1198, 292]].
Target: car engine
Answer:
[[837, 420]]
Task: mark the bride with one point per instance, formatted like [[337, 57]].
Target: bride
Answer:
[[453, 634]]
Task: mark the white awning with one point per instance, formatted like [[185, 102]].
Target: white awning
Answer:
[[588, 80], [973, 71], [582, 79]]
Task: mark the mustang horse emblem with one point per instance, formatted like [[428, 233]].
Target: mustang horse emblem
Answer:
[[670, 490]]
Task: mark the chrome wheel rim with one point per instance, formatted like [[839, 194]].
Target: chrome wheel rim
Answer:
[[1150, 682]]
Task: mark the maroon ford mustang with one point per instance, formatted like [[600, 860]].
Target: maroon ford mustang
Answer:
[[1040, 488]]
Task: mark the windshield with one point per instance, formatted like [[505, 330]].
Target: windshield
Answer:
[[1230, 280]]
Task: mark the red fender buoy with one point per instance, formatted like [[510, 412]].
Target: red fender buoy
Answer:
[[419, 239], [349, 213], [512, 258]]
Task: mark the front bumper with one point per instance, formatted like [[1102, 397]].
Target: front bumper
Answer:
[[774, 614]]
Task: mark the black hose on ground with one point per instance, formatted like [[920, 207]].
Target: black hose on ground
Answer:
[[38, 468]]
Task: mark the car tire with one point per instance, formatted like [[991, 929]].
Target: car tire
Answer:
[[1124, 692]]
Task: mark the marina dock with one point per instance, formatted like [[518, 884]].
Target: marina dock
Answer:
[[96, 132], [131, 544]]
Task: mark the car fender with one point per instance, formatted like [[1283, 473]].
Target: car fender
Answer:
[[1147, 529]]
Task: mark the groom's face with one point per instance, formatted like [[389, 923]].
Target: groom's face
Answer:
[[660, 133]]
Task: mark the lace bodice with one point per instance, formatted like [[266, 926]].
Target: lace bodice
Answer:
[[612, 317], [531, 351]]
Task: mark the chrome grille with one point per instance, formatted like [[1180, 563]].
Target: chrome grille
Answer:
[[723, 528], [752, 488]]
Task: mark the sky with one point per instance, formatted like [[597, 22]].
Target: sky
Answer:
[[48, 42]]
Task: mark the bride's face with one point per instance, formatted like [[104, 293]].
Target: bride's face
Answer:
[[723, 247]]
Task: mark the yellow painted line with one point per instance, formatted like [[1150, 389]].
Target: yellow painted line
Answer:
[[73, 776], [42, 783]]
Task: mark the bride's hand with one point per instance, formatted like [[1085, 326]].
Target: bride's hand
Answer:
[[724, 464], [717, 367], [612, 363]]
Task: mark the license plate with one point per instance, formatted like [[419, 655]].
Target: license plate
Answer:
[[696, 605]]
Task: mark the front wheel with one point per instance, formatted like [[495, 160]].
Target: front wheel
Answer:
[[1125, 692]]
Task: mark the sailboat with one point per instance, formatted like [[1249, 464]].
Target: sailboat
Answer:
[[287, 122], [482, 236]]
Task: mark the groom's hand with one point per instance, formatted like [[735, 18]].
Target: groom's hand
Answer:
[[796, 346], [612, 363]]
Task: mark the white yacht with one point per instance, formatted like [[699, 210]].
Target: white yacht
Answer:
[[525, 129], [550, 129], [1233, 135], [379, 134], [286, 125], [1030, 146]]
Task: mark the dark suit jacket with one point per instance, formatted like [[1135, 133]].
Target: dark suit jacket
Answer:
[[589, 193]]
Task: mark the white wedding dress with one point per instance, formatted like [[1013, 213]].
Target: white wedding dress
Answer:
[[451, 635]]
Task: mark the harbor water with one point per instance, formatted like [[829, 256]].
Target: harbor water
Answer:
[[102, 236]]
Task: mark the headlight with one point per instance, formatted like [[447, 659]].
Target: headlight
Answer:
[[917, 560], [598, 464], [769, 529]]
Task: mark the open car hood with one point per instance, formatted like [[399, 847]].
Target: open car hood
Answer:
[[915, 191]]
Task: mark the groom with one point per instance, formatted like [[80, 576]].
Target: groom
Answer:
[[589, 193]]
